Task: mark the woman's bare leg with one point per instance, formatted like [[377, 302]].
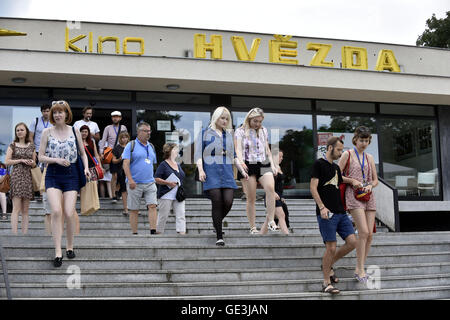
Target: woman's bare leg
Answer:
[[17, 206], [25, 215], [55, 199], [70, 199], [249, 187]]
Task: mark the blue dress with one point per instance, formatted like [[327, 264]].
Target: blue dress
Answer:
[[217, 153]]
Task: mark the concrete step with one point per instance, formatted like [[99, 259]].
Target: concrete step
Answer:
[[244, 238], [115, 217], [52, 275], [148, 248], [143, 289], [44, 261], [420, 293]]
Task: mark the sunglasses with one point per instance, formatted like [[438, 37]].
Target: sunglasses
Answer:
[[58, 102]]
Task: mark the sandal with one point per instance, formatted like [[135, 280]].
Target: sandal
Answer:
[[330, 289], [273, 226], [4, 216], [253, 230], [333, 277]]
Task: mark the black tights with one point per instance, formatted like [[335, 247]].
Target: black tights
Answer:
[[221, 200]]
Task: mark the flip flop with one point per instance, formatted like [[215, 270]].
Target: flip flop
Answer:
[[361, 279]]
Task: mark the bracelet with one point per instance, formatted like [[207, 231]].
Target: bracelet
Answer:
[[321, 208]]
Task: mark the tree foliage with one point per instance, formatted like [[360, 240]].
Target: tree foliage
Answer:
[[437, 33]]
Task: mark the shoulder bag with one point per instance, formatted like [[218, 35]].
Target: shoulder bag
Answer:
[[360, 194], [98, 169]]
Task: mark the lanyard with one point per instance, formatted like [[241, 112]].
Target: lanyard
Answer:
[[43, 123], [362, 165], [116, 131], [145, 147]]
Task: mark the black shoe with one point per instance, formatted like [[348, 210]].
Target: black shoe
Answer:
[[70, 254], [57, 262]]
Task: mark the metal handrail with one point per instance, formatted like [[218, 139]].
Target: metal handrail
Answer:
[[5, 273]]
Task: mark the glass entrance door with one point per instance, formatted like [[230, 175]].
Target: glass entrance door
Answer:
[[293, 134], [179, 127]]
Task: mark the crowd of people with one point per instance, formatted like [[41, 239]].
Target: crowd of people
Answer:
[[69, 156]]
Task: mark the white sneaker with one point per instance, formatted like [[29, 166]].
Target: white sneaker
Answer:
[[220, 243]]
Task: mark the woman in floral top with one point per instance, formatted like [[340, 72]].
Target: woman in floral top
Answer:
[[253, 152]]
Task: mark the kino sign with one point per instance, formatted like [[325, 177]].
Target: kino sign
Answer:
[[281, 50]]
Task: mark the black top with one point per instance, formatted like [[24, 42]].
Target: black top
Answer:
[[117, 152], [279, 184], [329, 175], [91, 163], [163, 172]]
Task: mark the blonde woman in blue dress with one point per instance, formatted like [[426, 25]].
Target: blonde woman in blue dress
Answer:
[[215, 157]]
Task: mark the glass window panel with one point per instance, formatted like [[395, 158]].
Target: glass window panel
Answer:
[[344, 127], [293, 134], [10, 92], [272, 103], [179, 127], [410, 110], [10, 117], [158, 97], [105, 95], [410, 156], [345, 106]]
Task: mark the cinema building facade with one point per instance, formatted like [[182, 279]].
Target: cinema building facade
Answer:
[[309, 88]]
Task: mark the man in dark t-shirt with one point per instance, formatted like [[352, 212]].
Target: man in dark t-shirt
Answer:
[[331, 216]]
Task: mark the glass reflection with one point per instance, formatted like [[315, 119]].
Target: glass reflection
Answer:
[[177, 127], [344, 127], [410, 156], [293, 134]]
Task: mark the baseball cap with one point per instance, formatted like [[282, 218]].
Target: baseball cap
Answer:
[[116, 113]]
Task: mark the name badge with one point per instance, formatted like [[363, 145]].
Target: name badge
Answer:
[[147, 161]]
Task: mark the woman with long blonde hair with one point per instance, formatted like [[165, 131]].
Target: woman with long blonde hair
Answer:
[[253, 153], [215, 157]]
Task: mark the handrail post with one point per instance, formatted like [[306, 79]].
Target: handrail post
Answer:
[[5, 273]]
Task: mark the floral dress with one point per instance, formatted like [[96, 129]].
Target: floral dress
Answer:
[[355, 173], [21, 180]]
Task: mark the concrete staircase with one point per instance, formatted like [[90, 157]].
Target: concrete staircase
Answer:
[[113, 263]]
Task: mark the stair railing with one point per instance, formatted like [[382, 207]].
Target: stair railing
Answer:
[[387, 205], [5, 272]]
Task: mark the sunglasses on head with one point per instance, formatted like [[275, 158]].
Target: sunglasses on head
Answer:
[[58, 102]]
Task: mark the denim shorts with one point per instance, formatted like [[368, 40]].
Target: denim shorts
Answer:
[[62, 178], [339, 223]]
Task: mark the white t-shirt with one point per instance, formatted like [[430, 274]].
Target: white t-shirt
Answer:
[[41, 125], [93, 126]]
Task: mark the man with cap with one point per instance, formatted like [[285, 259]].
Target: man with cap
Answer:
[[110, 139]]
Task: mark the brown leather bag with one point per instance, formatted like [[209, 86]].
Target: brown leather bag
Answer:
[[5, 184]]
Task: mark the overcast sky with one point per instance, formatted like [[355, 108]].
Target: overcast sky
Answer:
[[389, 21]]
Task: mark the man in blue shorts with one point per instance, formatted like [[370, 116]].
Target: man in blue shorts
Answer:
[[325, 179]]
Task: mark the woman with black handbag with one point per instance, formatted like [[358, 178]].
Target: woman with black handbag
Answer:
[[170, 178], [359, 200]]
